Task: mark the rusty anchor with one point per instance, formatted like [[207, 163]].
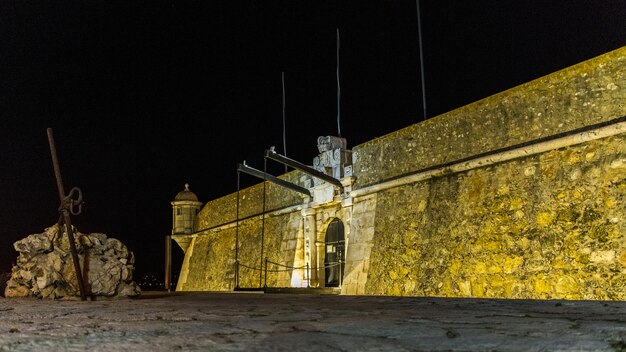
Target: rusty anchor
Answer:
[[70, 204]]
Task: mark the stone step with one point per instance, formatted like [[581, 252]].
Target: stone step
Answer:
[[305, 290], [291, 290]]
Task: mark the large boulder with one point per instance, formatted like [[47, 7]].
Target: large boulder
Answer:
[[45, 268]]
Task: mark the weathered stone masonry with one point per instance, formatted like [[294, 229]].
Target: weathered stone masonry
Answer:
[[527, 223]]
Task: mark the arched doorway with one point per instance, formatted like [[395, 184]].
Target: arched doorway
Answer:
[[334, 260]]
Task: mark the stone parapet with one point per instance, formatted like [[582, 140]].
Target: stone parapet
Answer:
[[224, 209], [588, 93]]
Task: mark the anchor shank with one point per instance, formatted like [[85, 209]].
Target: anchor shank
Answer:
[[66, 215]]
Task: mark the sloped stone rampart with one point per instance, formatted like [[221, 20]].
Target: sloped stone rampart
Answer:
[[215, 253]]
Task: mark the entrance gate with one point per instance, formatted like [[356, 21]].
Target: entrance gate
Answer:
[[334, 260]]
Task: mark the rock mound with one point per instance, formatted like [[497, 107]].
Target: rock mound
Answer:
[[45, 268]]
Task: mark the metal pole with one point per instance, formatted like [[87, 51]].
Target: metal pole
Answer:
[[271, 153], [267, 177], [338, 91], [263, 220], [66, 215], [168, 262], [284, 124], [308, 275], [340, 271], [237, 235], [419, 33]]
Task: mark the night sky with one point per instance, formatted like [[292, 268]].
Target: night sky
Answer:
[[143, 96]]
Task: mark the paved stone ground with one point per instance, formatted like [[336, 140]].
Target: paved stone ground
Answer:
[[194, 321]]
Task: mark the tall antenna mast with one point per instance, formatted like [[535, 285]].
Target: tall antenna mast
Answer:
[[419, 33], [284, 125], [338, 90]]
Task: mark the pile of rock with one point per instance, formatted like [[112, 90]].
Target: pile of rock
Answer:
[[45, 268]]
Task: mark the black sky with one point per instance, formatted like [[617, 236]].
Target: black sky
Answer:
[[143, 96]]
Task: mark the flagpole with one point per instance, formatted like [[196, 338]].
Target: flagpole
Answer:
[[419, 33]]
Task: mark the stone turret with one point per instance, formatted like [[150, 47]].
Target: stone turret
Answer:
[[185, 209]]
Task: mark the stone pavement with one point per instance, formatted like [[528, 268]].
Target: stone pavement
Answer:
[[245, 321]]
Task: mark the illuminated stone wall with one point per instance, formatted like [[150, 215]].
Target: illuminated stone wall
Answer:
[[548, 226], [210, 262], [543, 225]]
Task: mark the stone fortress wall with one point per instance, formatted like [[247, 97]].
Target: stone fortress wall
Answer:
[[519, 195]]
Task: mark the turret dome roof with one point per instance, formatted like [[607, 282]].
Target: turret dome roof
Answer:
[[186, 195]]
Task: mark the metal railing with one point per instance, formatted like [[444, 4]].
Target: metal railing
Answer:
[[284, 268]]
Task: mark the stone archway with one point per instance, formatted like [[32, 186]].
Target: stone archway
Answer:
[[334, 258]]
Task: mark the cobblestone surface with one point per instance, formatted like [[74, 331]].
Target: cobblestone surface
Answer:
[[204, 321]]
